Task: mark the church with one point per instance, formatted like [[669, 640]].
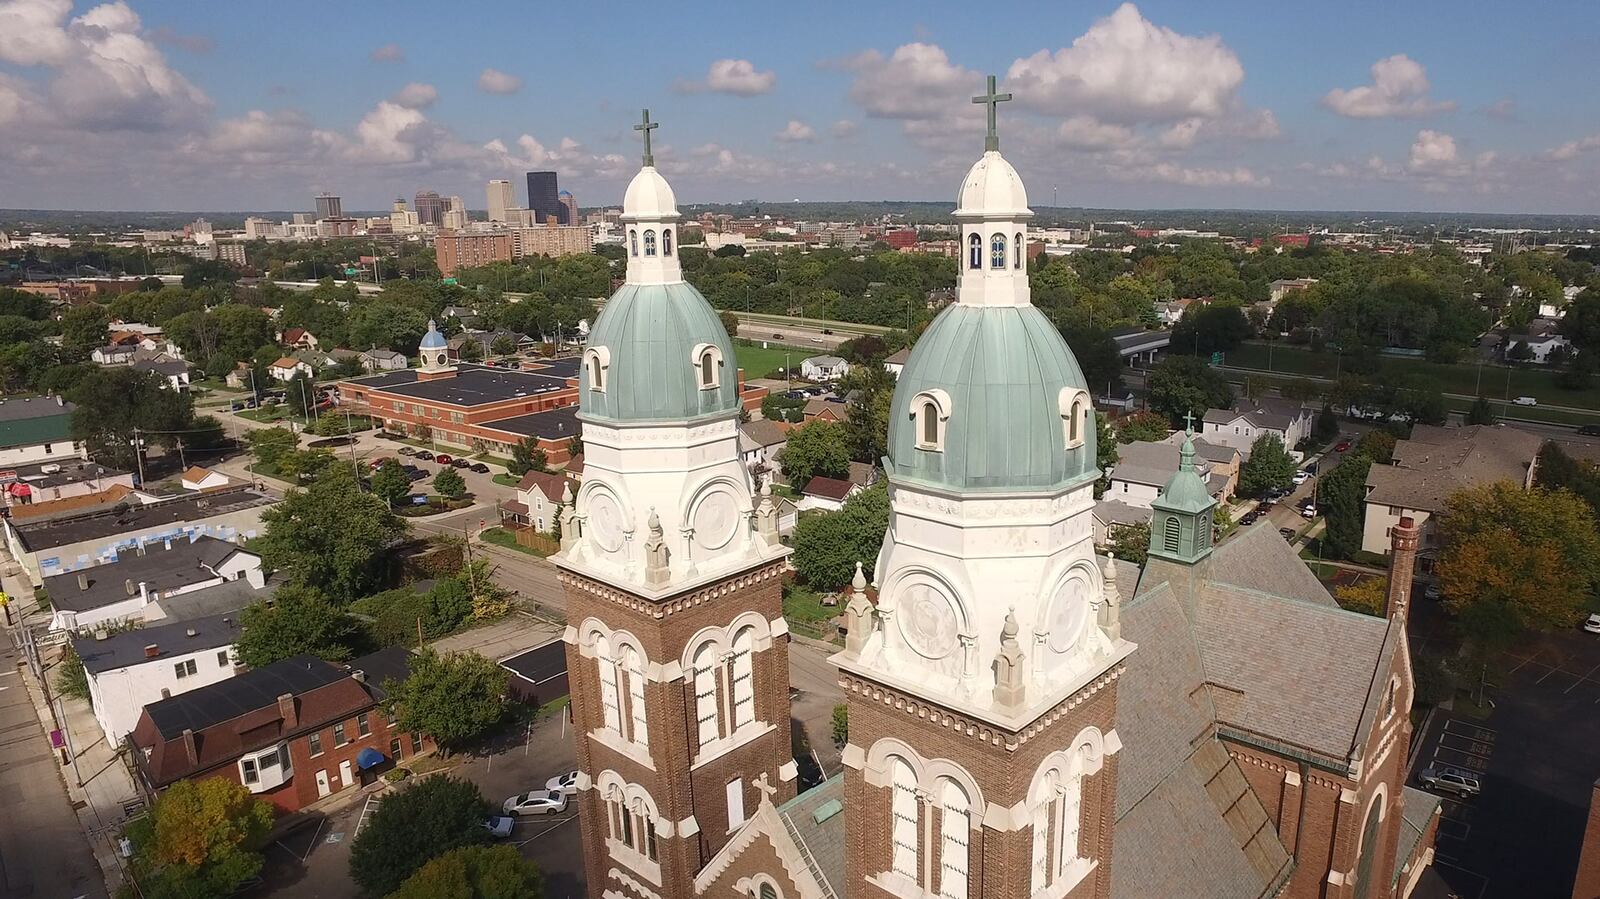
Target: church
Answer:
[[1027, 719]]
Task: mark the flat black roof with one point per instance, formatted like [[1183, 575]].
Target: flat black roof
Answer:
[[175, 639], [540, 663], [552, 424], [471, 385], [392, 663], [71, 471], [127, 519], [21, 408], [565, 367], [255, 689]]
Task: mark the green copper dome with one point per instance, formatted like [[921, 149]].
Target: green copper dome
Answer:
[[651, 342], [1005, 384]]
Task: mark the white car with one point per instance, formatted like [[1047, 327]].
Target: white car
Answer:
[[499, 826], [1524, 401], [565, 784], [536, 802], [1300, 477], [1592, 624], [1307, 509]]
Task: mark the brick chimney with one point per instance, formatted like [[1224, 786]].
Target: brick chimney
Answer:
[[189, 748], [286, 710], [1402, 564]]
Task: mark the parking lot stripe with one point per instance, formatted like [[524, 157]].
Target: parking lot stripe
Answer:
[[1474, 731], [1581, 679]]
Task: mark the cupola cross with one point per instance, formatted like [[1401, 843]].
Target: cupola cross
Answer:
[[648, 126], [1188, 422], [991, 100]]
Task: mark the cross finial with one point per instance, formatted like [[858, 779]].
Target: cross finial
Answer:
[[764, 784], [647, 126], [1188, 422], [991, 100]]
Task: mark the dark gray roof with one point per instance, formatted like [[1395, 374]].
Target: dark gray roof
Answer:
[[565, 367], [1111, 511], [1417, 808], [471, 385], [1437, 462], [70, 471], [162, 566], [553, 424], [43, 535], [175, 639], [540, 663], [390, 664], [1141, 341], [815, 820], [20, 408], [225, 598], [226, 700]]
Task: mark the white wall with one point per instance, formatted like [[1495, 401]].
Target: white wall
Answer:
[[1131, 494], [63, 451], [121, 694], [1378, 519]]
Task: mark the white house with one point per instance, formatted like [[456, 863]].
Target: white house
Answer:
[[198, 478], [1144, 468], [286, 368], [36, 429], [130, 670], [760, 442], [896, 363], [1541, 347], [827, 494], [382, 360], [175, 373], [538, 502], [120, 590], [116, 354], [823, 368], [1242, 425]]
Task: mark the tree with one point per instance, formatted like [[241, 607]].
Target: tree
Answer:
[[296, 621], [449, 484], [390, 483], [867, 423], [1481, 412], [828, 546], [816, 449], [83, 329], [113, 403], [1210, 328], [503, 345], [1327, 425], [1097, 355], [1378, 445], [526, 456], [1268, 468], [1370, 596], [331, 536], [470, 351], [452, 698], [1146, 426], [270, 445], [1558, 471], [1131, 542], [1340, 499], [300, 395], [202, 838], [1184, 385], [475, 872], [413, 826], [730, 323], [73, 679], [841, 725], [1533, 554]]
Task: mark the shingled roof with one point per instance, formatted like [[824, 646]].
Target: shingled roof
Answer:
[[1437, 462]]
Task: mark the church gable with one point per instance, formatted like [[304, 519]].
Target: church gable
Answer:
[[771, 850]]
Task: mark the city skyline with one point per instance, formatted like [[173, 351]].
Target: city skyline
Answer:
[[157, 105]]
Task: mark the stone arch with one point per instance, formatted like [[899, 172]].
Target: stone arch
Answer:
[[719, 534], [1048, 618]]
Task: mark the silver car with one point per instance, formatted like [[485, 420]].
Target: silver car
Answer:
[[537, 802], [1451, 780]]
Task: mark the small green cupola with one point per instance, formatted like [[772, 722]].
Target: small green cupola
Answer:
[[1180, 530]]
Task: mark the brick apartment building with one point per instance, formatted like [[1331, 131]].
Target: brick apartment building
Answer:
[[455, 250], [292, 732]]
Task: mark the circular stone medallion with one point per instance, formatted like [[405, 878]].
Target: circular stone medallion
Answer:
[[716, 520], [605, 521], [928, 621], [1069, 611]]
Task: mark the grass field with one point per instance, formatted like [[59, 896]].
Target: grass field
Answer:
[[807, 615], [758, 361], [503, 537], [1463, 378]]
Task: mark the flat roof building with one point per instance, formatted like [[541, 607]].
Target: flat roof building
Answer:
[[463, 250]]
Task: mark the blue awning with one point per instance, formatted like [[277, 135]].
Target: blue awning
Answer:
[[368, 758]]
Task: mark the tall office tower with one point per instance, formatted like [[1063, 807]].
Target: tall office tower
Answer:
[[569, 209], [329, 207], [543, 197], [430, 208], [455, 215], [502, 196]]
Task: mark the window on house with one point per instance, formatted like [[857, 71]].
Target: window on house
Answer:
[[248, 768], [766, 891], [222, 657], [930, 425], [416, 742], [649, 243], [338, 734], [316, 745], [903, 820], [708, 369], [976, 252], [184, 669], [394, 748], [997, 251], [735, 790], [269, 760], [363, 724]]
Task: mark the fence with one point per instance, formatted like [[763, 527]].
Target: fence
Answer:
[[536, 541]]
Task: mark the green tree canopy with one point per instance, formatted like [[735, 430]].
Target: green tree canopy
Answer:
[[828, 546], [475, 872], [1183, 385], [1481, 413], [202, 838], [1268, 468], [428, 819], [1131, 542], [1341, 497], [452, 698], [332, 537], [449, 484], [112, 403], [816, 449], [296, 621], [390, 483], [270, 445]]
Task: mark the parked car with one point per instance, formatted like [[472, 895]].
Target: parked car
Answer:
[[777, 336], [407, 451], [1589, 431], [1450, 780], [1341, 446], [1300, 477], [1592, 624], [424, 455], [499, 826], [459, 462], [480, 468], [1287, 534], [443, 459], [1263, 508], [828, 331], [1524, 401], [536, 802], [1249, 518], [414, 473], [1307, 508], [566, 784]]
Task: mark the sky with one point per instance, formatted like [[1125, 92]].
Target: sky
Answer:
[[1429, 106]]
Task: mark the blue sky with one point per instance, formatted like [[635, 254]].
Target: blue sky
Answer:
[[178, 105]]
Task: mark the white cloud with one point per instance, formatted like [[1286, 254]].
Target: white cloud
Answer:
[[387, 133], [796, 132], [739, 77], [388, 53], [844, 128], [1399, 89], [1171, 173], [1127, 69], [1088, 133], [1433, 150], [1504, 109], [417, 95], [917, 81], [494, 81], [171, 37], [1573, 148], [33, 32]]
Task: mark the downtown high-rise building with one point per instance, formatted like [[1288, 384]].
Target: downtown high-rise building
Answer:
[[455, 215], [502, 196], [544, 197], [329, 207], [569, 209], [430, 208]]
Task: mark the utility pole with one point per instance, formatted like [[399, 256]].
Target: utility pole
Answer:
[[138, 454]]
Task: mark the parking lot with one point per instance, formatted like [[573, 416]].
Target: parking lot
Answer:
[[1534, 756]]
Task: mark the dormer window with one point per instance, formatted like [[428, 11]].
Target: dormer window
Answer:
[[666, 241], [976, 252], [1075, 406], [708, 366], [931, 411], [596, 362], [1017, 245], [633, 242], [997, 251], [649, 243]]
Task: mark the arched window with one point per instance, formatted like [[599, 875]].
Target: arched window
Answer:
[[666, 241], [707, 361], [976, 252], [705, 693], [1170, 539], [1370, 845], [930, 425], [632, 822], [1075, 424], [598, 359], [610, 698], [742, 669], [904, 825], [930, 411], [997, 251], [708, 370], [955, 829], [649, 243], [1016, 243], [767, 891], [633, 241], [633, 665]]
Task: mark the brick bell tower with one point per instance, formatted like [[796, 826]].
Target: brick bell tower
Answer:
[[676, 643], [982, 688]]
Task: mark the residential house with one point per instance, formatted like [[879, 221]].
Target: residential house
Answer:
[[298, 339], [1112, 515], [286, 368], [132, 669], [1277, 290], [113, 354], [1144, 468], [760, 441], [538, 502], [1539, 348], [382, 360], [896, 363], [291, 733], [487, 342], [827, 494], [175, 374], [1434, 464], [37, 429], [240, 378], [823, 368], [120, 590], [1291, 421], [198, 478], [826, 409]]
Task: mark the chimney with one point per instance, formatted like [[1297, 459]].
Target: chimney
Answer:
[[191, 632], [83, 581], [189, 748], [1402, 564], [152, 650], [286, 710], [140, 549], [359, 675]]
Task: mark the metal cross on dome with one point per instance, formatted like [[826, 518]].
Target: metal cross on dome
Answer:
[[647, 126], [1188, 422], [991, 100]]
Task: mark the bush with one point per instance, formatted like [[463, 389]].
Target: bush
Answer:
[[841, 724], [411, 827]]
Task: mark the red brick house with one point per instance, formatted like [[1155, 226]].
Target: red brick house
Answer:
[[291, 732]]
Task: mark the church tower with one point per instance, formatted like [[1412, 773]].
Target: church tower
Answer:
[[676, 644], [982, 687]]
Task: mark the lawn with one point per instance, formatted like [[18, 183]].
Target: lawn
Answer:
[[758, 361], [807, 615], [266, 413], [507, 480], [503, 537]]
